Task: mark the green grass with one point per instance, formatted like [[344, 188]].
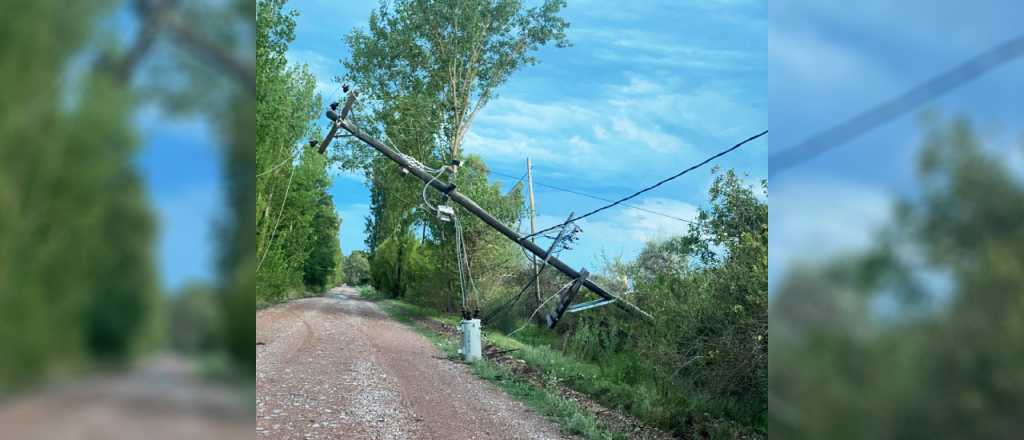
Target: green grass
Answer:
[[367, 292], [567, 413], [621, 381]]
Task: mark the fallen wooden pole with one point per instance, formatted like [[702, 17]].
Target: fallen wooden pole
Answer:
[[471, 206]]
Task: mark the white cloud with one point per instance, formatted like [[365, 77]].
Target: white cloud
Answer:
[[639, 85], [715, 110], [511, 148], [519, 115], [813, 66], [655, 139], [627, 225], [580, 146], [814, 219], [644, 226], [645, 48], [323, 69]]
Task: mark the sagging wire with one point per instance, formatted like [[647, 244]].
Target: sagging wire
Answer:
[[534, 279], [427, 185], [280, 214], [460, 243], [569, 236], [532, 315]]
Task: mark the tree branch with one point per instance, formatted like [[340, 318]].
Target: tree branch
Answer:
[[243, 73]]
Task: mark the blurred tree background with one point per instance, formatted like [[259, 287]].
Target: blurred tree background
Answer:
[[921, 336], [78, 284]]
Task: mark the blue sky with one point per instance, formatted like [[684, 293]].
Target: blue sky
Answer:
[[831, 60], [180, 164], [179, 161], [647, 89]]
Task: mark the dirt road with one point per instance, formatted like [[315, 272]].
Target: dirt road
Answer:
[[337, 367], [164, 398]]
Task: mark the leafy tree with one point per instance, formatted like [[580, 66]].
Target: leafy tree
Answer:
[[713, 282], [193, 319], [708, 349], [296, 225], [322, 260], [76, 270], [425, 69], [357, 268], [944, 360], [202, 64], [398, 264], [454, 53]]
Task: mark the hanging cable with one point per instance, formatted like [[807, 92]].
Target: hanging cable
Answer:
[[280, 214], [427, 185], [460, 246], [897, 106], [662, 182], [533, 279], [591, 196], [530, 319], [462, 277]]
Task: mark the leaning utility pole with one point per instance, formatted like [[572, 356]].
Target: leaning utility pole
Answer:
[[450, 191], [533, 227]]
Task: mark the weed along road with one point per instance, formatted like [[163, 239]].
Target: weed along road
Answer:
[[337, 367]]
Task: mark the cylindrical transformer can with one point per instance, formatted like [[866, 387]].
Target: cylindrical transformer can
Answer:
[[471, 340]]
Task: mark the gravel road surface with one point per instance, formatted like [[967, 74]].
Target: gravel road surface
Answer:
[[337, 367]]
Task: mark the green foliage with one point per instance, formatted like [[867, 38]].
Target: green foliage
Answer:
[[77, 277], [545, 400], [193, 320], [452, 54], [718, 304], [708, 349], [399, 263], [296, 230], [322, 261], [702, 368], [357, 268], [944, 361], [424, 70]]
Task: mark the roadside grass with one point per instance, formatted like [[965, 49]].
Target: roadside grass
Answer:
[[567, 413], [367, 292], [621, 381]]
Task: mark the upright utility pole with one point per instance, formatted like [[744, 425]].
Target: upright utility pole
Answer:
[[533, 226]]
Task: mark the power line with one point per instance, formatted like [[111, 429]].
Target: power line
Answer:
[[571, 191], [897, 106], [663, 181]]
